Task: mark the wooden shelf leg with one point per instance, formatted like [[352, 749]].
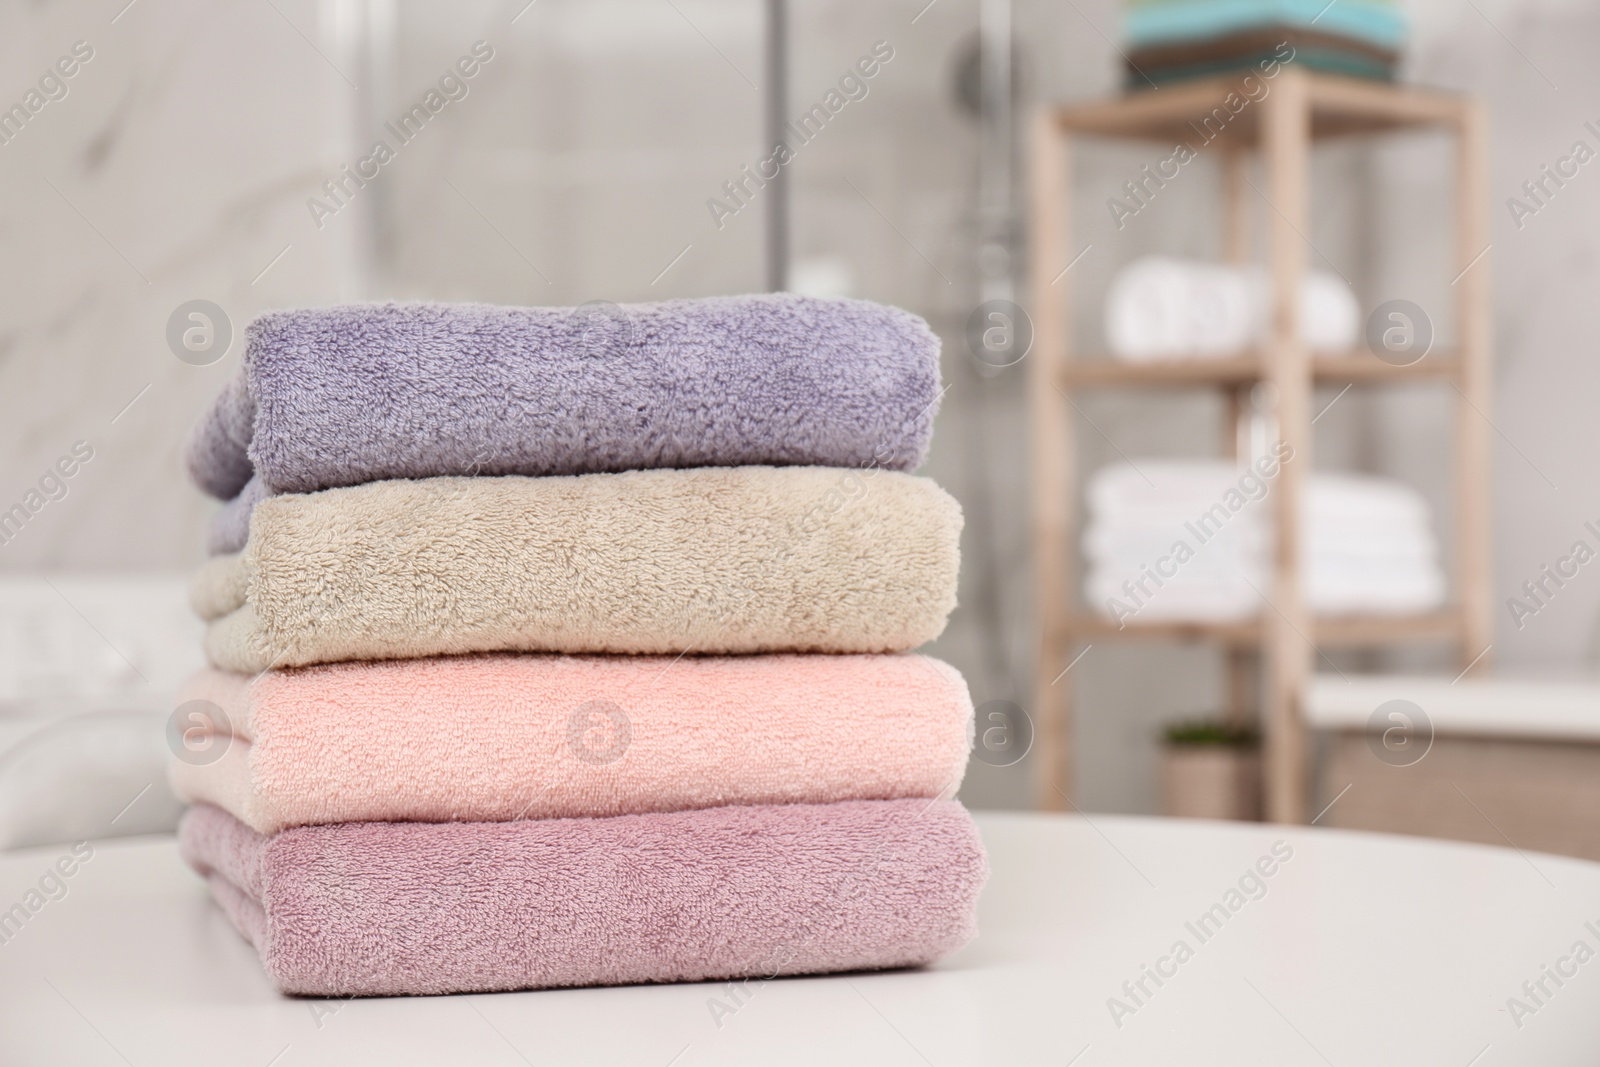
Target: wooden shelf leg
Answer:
[[1235, 206], [1474, 451], [1241, 663], [1053, 476], [1286, 142]]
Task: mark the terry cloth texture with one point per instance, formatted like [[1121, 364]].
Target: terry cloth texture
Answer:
[[712, 560], [340, 396], [513, 736], [394, 908]]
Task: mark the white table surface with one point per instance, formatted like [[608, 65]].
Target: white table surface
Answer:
[[1366, 949]]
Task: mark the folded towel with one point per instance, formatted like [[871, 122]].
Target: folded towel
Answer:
[[1249, 47], [1224, 554], [386, 908], [1244, 594], [1256, 51], [1368, 543], [506, 736], [344, 395], [712, 560], [1375, 22], [1372, 590], [230, 526], [1174, 491]]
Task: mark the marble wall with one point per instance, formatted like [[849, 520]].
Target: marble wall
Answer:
[[175, 168], [180, 162]]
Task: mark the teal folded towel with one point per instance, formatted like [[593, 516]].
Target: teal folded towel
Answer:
[[1161, 22]]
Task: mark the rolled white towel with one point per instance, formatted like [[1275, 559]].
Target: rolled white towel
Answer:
[[1164, 308], [1161, 307], [1330, 315]]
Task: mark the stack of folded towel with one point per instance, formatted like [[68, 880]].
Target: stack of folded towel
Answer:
[[1369, 546], [1164, 308], [1172, 40], [542, 659]]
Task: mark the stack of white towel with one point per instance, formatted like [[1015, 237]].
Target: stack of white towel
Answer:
[[1161, 308], [1194, 540]]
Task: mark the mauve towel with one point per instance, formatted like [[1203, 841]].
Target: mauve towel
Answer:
[[344, 395], [506, 736], [394, 908], [715, 560]]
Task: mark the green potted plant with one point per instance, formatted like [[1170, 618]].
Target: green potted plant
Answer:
[[1211, 769]]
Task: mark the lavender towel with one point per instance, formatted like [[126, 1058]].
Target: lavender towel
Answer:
[[230, 526], [354, 909], [344, 395]]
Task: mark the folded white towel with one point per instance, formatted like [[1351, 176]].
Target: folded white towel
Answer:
[[1135, 542], [1211, 597], [1159, 307], [1154, 490], [1206, 529], [1374, 590]]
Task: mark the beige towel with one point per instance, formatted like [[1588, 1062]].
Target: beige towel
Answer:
[[708, 560]]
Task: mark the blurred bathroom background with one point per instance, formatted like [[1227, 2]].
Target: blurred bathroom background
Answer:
[[578, 166]]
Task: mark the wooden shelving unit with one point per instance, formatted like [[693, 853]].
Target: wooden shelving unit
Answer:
[[1246, 370], [1301, 108]]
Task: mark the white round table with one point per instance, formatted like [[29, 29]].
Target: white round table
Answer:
[[1358, 949]]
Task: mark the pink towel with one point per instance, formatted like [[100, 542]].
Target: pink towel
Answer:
[[422, 908], [506, 736]]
